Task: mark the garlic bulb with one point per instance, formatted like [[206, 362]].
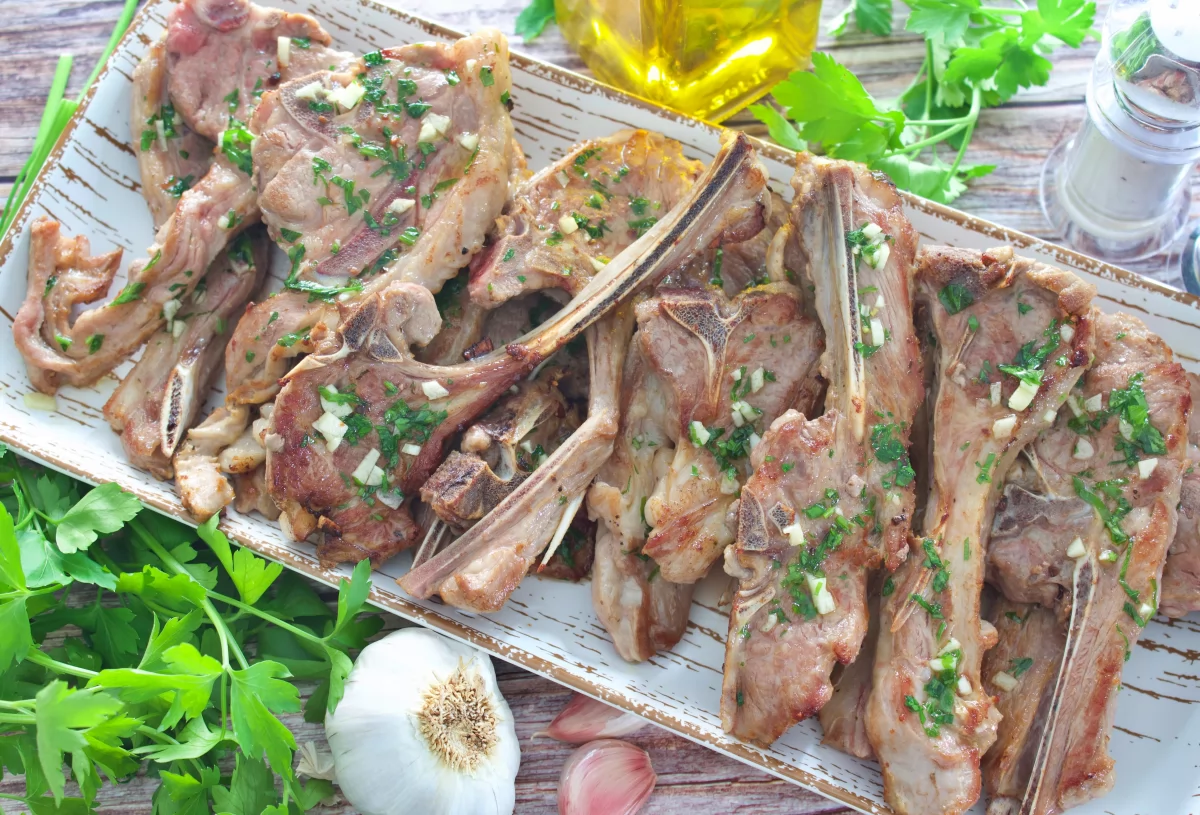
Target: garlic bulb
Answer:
[[585, 719], [605, 777], [423, 729]]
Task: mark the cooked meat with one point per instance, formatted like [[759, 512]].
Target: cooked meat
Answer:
[[202, 486], [62, 274], [872, 360], [1110, 471], [463, 323], [805, 509], [481, 569], [252, 495], [79, 352], [392, 169], [1013, 337], [307, 480], [500, 451], [171, 156], [844, 716], [667, 493], [830, 497], [223, 55], [1181, 577], [157, 401], [205, 40], [754, 357], [269, 338], [573, 558], [572, 217], [641, 612], [429, 195], [1019, 672]]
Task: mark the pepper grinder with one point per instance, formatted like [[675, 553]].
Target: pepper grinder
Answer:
[[1119, 189]]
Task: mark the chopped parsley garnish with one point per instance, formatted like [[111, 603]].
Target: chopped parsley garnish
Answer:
[[374, 58], [131, 293], [175, 186], [954, 297], [642, 225], [888, 448], [236, 142], [984, 467], [1111, 516], [934, 610], [1019, 666], [94, 342]]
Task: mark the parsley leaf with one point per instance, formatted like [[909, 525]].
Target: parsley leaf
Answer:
[[105, 509], [532, 20]]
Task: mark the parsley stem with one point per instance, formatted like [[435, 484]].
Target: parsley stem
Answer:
[[928, 83], [223, 634], [23, 706], [270, 618], [918, 146], [163, 738], [976, 102], [46, 661], [16, 719]]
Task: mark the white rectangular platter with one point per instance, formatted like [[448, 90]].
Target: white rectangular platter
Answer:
[[91, 186]]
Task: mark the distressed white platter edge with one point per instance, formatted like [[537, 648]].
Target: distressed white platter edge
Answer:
[[90, 184]]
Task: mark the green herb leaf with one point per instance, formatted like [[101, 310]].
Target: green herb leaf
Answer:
[[532, 20], [869, 16], [256, 693], [251, 575], [103, 510]]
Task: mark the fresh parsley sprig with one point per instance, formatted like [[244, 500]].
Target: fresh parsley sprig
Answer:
[[976, 56], [183, 651]]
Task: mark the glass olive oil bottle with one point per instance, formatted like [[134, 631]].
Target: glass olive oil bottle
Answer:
[[707, 58]]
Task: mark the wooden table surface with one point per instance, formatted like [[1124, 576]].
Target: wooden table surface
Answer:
[[692, 779]]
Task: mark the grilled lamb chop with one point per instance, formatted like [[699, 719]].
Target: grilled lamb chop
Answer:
[[307, 481], [1019, 672], [642, 614], [816, 487], [79, 352], [1181, 576], [754, 356], [171, 156], [609, 159], [572, 217], [157, 401], [499, 452], [668, 491], [224, 54], [1013, 337], [399, 186], [1109, 483], [451, 192], [215, 209], [483, 567]]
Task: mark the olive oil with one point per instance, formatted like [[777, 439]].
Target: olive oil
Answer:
[[707, 58]]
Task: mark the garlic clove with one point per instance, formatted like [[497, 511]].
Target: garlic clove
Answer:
[[605, 777], [585, 719]]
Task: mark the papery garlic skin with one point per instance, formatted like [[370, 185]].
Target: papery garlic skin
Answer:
[[605, 777], [386, 765], [585, 719]]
